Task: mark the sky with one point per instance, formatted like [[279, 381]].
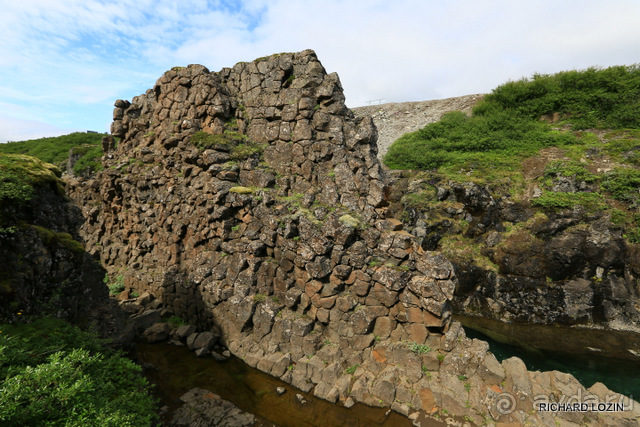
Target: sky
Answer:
[[63, 63]]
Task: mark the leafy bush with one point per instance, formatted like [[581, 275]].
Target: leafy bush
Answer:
[[505, 126], [486, 140], [569, 168], [55, 374], [176, 321], [606, 98], [419, 348], [116, 286], [89, 162], [623, 184]]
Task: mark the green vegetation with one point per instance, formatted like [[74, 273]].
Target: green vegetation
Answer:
[[569, 168], [593, 98], [507, 130], [19, 175], [259, 298], [351, 369], [53, 373], [505, 126], [241, 190], [115, 285], [55, 150], [560, 200], [176, 321], [419, 348], [494, 139], [238, 144], [50, 237], [623, 184]]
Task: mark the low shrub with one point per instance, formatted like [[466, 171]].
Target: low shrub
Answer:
[[53, 373]]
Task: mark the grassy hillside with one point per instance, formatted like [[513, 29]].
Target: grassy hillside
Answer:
[[513, 121], [582, 127], [87, 146]]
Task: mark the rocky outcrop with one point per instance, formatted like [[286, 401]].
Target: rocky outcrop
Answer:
[[518, 263], [44, 268], [397, 118], [250, 203]]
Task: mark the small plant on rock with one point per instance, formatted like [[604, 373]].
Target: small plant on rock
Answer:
[[351, 369], [419, 348]]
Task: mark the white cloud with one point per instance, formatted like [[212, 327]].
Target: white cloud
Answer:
[[14, 129], [64, 61]]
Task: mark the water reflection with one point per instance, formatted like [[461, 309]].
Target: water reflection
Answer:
[[591, 356], [176, 370]]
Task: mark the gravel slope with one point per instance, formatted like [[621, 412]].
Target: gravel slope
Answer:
[[395, 119]]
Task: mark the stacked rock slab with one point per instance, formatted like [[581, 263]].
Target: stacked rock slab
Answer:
[[276, 235]]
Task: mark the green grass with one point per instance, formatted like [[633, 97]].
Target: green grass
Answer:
[[239, 145], [176, 321], [592, 98], [419, 348], [623, 183], [569, 168], [55, 150], [496, 140], [50, 237], [505, 126], [519, 119], [115, 285], [560, 200]]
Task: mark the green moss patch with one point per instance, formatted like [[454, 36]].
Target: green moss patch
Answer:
[[50, 237], [19, 174]]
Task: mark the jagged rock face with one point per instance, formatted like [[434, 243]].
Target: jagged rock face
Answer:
[[567, 267], [44, 269], [250, 202], [299, 223], [283, 249], [286, 101]]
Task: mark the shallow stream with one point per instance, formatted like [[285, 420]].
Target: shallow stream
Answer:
[[175, 370], [589, 355]]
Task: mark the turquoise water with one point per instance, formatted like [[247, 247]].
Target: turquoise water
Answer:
[[589, 367]]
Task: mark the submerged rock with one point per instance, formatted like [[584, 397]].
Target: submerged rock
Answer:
[[203, 408]]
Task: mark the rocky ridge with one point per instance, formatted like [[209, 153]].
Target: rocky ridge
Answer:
[[397, 118], [250, 202]]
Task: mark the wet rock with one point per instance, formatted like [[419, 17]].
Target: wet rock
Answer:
[[203, 408], [145, 320], [301, 399], [157, 332], [184, 331], [204, 340]]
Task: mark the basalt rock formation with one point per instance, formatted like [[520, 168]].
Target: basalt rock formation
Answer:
[[250, 202]]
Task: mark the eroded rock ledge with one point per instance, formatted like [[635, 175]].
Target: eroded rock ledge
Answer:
[[250, 202]]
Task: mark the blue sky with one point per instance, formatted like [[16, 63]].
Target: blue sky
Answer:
[[64, 62]]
